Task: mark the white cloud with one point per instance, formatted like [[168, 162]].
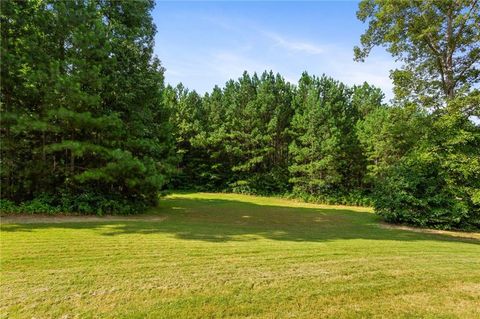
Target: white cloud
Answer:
[[336, 61], [255, 48], [295, 45]]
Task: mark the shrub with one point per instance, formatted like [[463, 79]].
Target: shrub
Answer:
[[85, 203], [90, 203], [39, 205], [7, 206], [242, 187], [355, 198], [416, 192]]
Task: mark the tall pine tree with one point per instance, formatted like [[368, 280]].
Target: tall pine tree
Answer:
[[82, 117]]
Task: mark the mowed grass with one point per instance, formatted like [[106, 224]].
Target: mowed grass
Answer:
[[232, 256]]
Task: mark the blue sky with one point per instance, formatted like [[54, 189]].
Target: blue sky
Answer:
[[202, 44]]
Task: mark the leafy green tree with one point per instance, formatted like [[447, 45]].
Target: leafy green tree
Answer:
[[438, 42], [189, 120], [387, 134], [425, 165], [437, 183], [367, 98]]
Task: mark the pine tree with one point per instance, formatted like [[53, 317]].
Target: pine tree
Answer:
[[82, 93], [323, 150]]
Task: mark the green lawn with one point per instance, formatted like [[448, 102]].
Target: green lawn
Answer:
[[230, 256]]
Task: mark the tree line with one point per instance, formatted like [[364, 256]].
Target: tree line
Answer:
[[263, 135], [88, 125]]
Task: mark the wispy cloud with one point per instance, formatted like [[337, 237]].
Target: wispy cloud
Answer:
[[203, 48], [295, 45]]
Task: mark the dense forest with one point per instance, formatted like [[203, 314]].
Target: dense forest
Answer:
[[88, 125], [263, 135]]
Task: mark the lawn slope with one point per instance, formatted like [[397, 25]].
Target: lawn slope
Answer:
[[230, 256]]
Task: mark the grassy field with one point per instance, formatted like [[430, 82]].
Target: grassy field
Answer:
[[230, 256]]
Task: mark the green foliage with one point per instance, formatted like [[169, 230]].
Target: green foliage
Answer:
[[87, 203], [425, 166], [414, 191], [250, 137], [40, 205], [326, 158], [353, 198], [387, 134], [7, 206], [100, 204], [437, 182], [235, 138], [82, 111], [262, 135], [437, 40]]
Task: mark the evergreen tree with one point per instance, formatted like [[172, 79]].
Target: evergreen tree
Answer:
[[82, 93], [324, 150]]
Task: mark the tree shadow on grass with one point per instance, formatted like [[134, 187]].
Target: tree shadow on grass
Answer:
[[219, 220]]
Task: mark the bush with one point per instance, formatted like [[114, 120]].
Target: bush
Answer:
[[416, 192], [242, 187], [271, 183], [39, 205], [85, 203], [7, 206], [355, 198], [99, 204]]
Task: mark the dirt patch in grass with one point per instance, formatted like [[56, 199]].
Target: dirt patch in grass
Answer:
[[460, 234], [42, 219]]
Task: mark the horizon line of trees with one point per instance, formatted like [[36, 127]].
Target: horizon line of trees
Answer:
[[261, 134]]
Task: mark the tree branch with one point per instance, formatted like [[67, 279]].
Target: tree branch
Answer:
[[462, 27]]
